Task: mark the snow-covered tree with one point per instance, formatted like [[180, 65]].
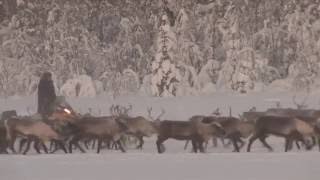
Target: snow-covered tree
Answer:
[[205, 45], [165, 75]]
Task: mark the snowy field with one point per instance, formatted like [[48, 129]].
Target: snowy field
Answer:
[[176, 163]]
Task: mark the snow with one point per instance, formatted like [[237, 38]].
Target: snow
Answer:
[[139, 166], [176, 163]]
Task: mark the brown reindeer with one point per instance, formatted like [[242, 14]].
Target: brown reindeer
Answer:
[[140, 127], [199, 118], [235, 129], [187, 130], [37, 131], [287, 127], [101, 128], [310, 116]]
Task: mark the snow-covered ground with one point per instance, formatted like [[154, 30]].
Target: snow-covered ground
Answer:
[[175, 163], [184, 166]]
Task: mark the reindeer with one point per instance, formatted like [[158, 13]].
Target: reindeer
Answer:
[[310, 116], [103, 128], [198, 133], [287, 127], [59, 121], [234, 128], [139, 126], [215, 113], [32, 130]]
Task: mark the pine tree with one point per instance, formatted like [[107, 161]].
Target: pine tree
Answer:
[[165, 75]]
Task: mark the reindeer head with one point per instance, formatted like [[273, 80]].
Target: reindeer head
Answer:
[[157, 119], [117, 110], [218, 129]]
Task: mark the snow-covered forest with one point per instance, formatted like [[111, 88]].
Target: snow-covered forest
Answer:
[[159, 48]]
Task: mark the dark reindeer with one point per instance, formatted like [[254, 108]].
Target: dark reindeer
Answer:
[[31, 130], [197, 133], [235, 129], [138, 126], [102, 129], [287, 127]]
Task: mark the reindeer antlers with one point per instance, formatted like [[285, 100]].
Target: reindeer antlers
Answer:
[[161, 114], [216, 112], [149, 110], [301, 105], [117, 110]]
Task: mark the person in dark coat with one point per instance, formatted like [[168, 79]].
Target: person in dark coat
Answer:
[[46, 95]]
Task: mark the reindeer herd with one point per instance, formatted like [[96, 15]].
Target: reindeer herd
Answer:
[[68, 131]]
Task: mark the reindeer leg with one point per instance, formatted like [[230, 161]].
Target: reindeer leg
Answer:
[[194, 146], [108, 142], [21, 144], [199, 141], [160, 146], [186, 144], [206, 144], [86, 143], [235, 144], [114, 145], [43, 146], [287, 144], [201, 147], [120, 146], [52, 145], [214, 142], [297, 144], [70, 145], [99, 145], [55, 146], [264, 142], [76, 143], [36, 146], [61, 144], [141, 142], [11, 144], [242, 143], [3, 148], [307, 143], [28, 147], [93, 145], [251, 140]]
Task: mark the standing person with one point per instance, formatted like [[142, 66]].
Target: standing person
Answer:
[[46, 95]]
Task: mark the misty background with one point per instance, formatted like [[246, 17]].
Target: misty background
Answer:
[[159, 48]]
